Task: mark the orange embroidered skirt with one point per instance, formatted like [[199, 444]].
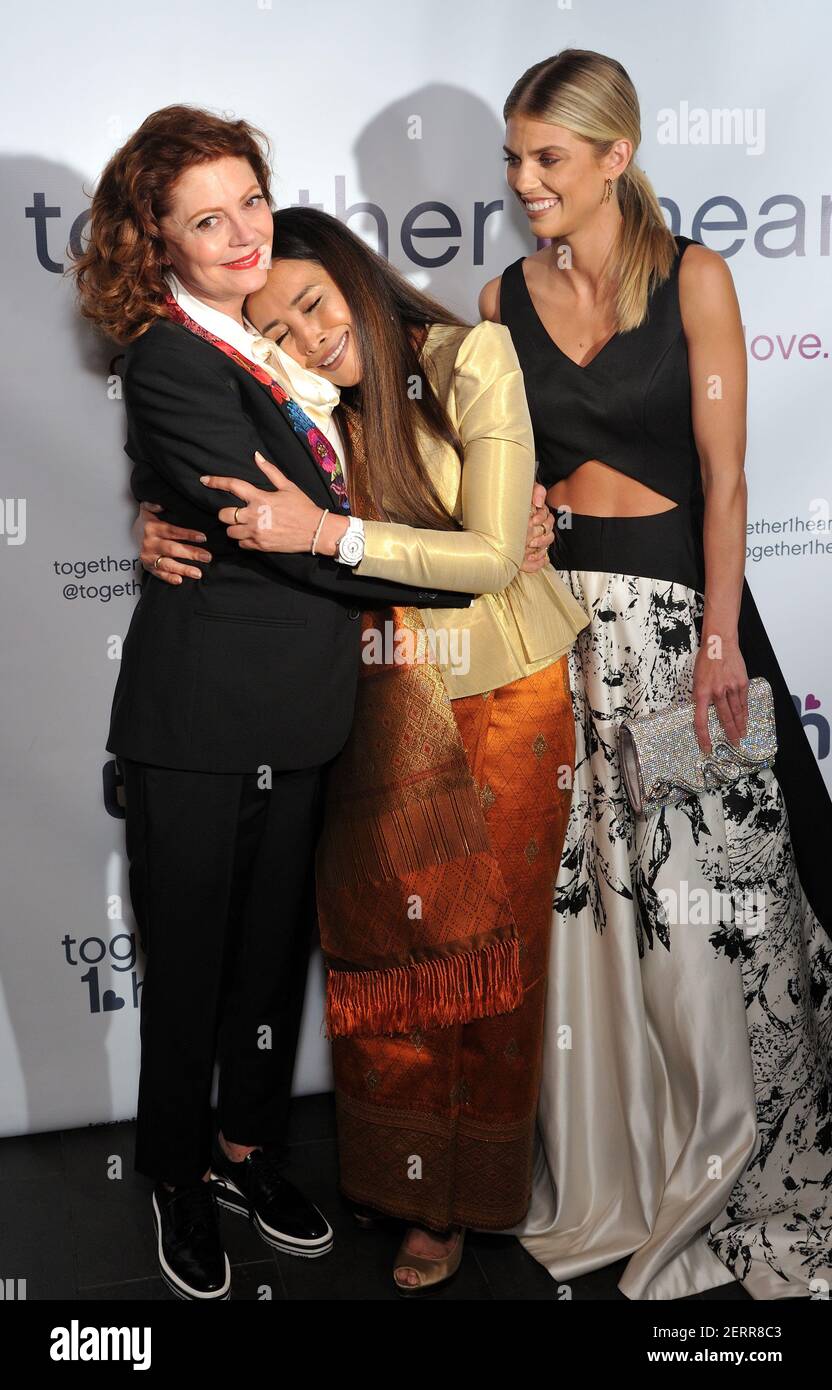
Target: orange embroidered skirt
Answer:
[[437, 1127]]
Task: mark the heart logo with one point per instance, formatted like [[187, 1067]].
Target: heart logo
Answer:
[[812, 702], [111, 1000]]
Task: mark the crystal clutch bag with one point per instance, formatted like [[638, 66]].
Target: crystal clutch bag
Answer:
[[662, 763]]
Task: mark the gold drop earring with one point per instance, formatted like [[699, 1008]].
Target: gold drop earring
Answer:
[[607, 190]]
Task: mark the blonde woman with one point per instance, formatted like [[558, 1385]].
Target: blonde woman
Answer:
[[685, 1107]]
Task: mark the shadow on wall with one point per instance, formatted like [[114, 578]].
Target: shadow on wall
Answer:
[[63, 454], [43, 210], [430, 165]]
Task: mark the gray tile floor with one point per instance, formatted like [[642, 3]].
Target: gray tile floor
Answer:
[[74, 1232]]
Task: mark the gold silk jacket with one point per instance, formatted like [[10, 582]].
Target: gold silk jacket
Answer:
[[520, 622]]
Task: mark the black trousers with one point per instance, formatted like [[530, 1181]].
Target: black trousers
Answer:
[[222, 885]]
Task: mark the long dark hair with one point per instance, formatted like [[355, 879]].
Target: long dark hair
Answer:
[[387, 314]]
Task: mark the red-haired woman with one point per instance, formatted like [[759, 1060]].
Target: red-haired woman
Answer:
[[233, 694]]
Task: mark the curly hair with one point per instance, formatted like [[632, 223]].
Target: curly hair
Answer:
[[120, 272]]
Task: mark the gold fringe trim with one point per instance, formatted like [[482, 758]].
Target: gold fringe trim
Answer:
[[430, 994]]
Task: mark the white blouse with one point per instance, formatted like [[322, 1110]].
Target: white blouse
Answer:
[[313, 393]]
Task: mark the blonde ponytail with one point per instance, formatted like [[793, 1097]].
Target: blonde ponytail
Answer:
[[646, 250]]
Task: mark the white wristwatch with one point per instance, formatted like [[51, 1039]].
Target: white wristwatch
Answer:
[[351, 545]]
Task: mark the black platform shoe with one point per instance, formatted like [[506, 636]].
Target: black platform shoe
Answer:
[[256, 1188], [192, 1260]]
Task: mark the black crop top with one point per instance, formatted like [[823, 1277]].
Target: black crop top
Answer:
[[629, 406]]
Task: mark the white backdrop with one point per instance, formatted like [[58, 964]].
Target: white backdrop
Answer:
[[337, 87]]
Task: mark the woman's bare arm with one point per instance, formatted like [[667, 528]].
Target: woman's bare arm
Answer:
[[718, 377]]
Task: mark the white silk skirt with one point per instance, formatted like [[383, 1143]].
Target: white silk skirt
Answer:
[[685, 1116]]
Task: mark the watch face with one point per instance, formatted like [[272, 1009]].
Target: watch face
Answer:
[[351, 547]]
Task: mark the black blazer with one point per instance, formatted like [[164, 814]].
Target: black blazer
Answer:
[[257, 662]]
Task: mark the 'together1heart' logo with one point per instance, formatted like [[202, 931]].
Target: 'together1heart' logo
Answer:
[[815, 724], [96, 957]]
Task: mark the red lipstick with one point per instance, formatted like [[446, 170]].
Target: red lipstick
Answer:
[[248, 263]]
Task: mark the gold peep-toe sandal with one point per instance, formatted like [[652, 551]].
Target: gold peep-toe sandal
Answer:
[[433, 1273]]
